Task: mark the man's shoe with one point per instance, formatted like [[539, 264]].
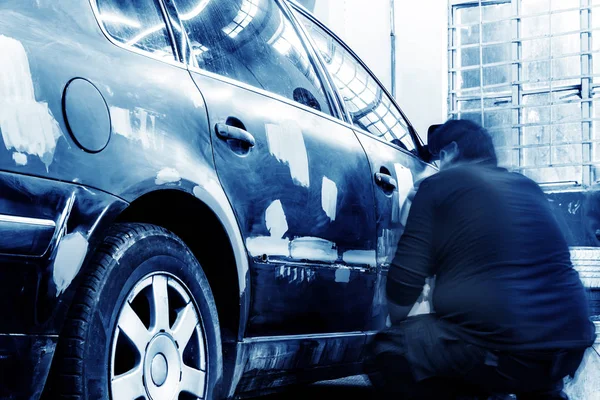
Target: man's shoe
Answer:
[[487, 397], [544, 396]]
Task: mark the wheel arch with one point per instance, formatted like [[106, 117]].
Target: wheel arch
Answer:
[[205, 222], [213, 239]]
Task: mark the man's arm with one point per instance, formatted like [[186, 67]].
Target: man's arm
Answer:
[[413, 262]]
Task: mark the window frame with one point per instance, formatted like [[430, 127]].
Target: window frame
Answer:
[[189, 62], [419, 147], [176, 61], [520, 88]]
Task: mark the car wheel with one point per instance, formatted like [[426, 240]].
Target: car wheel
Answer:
[[143, 324]]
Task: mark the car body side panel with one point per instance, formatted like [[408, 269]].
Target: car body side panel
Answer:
[[155, 144], [392, 208], [301, 256], [37, 289], [267, 362], [24, 365], [161, 139]]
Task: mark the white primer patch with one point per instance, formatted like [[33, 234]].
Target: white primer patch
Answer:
[[329, 193], [137, 124], [121, 122], [273, 245], [360, 257], [20, 158], [167, 175], [270, 246], [286, 143], [147, 127], [197, 192], [342, 275], [27, 125], [295, 274], [387, 244], [313, 249], [276, 220], [405, 183], [212, 188], [69, 258], [304, 248]]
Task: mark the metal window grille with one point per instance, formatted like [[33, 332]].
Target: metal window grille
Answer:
[[529, 71]]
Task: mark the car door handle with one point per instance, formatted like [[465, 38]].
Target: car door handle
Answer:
[[225, 131], [385, 181]]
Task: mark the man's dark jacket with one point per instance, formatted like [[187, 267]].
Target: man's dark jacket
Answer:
[[504, 277]]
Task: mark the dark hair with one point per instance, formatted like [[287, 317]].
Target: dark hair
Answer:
[[474, 142]]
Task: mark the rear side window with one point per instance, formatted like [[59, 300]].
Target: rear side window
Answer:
[[370, 107], [252, 41], [136, 23]]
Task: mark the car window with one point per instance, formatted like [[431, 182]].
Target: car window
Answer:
[[369, 106], [252, 41], [136, 23]]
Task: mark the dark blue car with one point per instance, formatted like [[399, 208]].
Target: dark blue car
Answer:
[[198, 199]]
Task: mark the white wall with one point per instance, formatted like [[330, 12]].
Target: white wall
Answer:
[[421, 49], [422, 61], [365, 26]]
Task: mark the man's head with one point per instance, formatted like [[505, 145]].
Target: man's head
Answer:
[[459, 141]]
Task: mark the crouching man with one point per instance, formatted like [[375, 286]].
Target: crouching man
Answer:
[[511, 315]]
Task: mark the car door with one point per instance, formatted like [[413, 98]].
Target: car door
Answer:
[[298, 179], [387, 138]]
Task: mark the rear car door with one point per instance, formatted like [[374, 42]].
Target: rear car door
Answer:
[[388, 139], [298, 179]]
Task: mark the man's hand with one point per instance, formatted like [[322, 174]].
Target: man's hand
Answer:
[[398, 313], [422, 306]]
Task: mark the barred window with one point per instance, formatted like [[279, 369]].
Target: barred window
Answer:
[[529, 71]]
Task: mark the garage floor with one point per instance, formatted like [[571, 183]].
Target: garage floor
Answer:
[[585, 386], [355, 386]]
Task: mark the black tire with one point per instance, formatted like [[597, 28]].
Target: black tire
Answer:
[[128, 256]]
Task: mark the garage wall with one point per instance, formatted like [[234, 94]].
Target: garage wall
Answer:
[[365, 26], [421, 49], [422, 66]]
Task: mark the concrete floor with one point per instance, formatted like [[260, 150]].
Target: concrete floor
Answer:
[[355, 386], [585, 386]]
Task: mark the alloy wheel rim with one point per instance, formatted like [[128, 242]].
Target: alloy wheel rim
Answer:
[[158, 345]]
